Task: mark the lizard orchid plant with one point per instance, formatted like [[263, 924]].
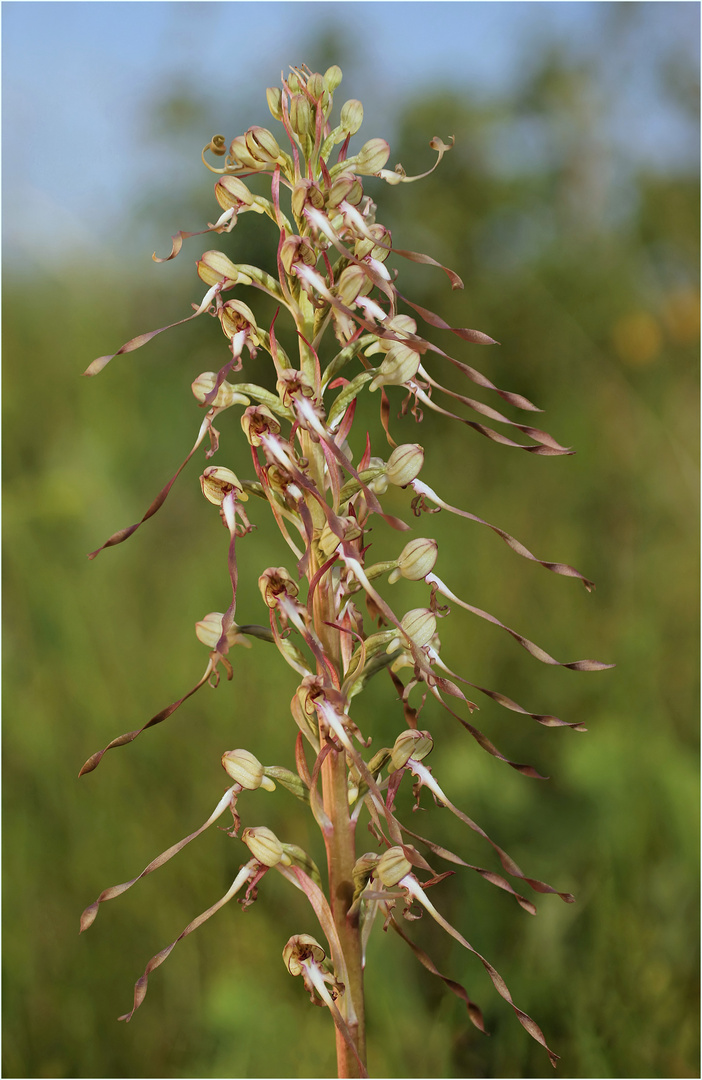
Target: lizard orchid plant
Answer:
[[327, 612]]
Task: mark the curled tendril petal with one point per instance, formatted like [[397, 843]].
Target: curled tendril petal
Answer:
[[141, 339], [246, 873], [480, 407], [123, 534], [474, 1012], [423, 490], [177, 243], [88, 916], [415, 890], [130, 736], [540, 449], [508, 863], [400, 177], [488, 875], [475, 337], [534, 650]]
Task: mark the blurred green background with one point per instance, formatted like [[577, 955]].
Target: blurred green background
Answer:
[[582, 259]]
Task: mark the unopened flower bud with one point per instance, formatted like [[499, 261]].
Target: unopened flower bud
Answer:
[[301, 118], [363, 871], [372, 156], [351, 120], [217, 482], [332, 78], [315, 85], [398, 367], [226, 395], [410, 744], [301, 948], [416, 560], [405, 464], [265, 846], [392, 866], [209, 631], [274, 97], [245, 769], [419, 626]]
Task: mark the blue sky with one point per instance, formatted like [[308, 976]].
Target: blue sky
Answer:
[[78, 79]]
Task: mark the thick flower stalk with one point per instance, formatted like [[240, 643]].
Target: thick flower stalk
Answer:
[[326, 611]]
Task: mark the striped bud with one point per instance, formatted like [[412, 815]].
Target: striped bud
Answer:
[[419, 626], [373, 156], [405, 464], [351, 120], [416, 560], [398, 367], [245, 769], [265, 846]]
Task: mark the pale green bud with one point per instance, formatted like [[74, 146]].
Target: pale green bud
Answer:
[[419, 626], [301, 116], [332, 78], [400, 364], [405, 464], [274, 97], [316, 85], [392, 866], [351, 120], [416, 560], [372, 156], [265, 846]]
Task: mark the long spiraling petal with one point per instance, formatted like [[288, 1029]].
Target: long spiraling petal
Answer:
[[88, 917], [415, 889], [140, 987], [534, 650], [423, 490]]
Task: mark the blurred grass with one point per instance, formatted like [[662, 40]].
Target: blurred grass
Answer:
[[598, 319]]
